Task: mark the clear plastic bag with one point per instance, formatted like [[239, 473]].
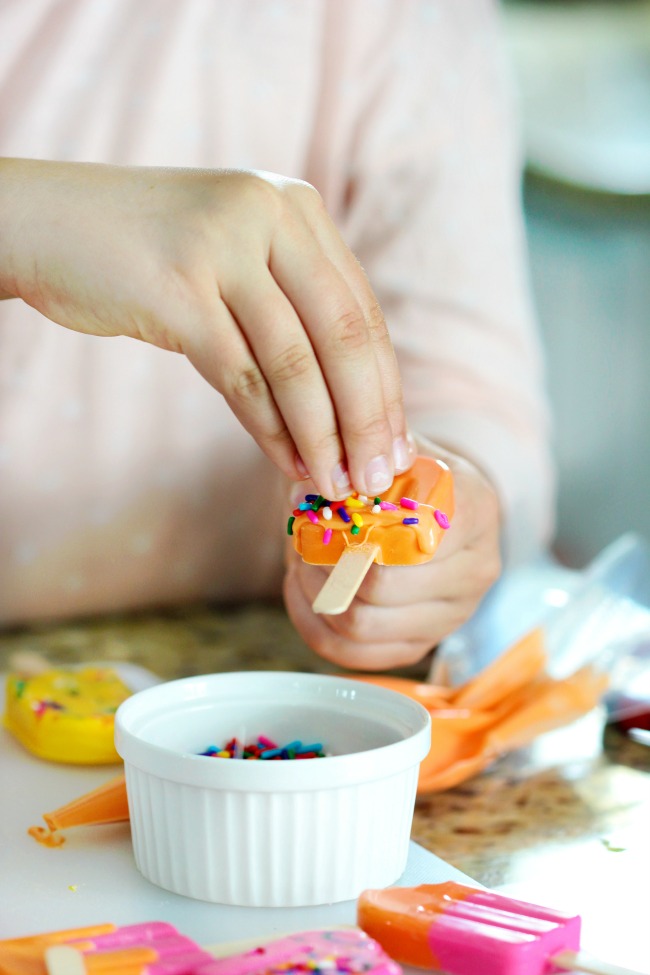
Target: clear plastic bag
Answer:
[[598, 616]]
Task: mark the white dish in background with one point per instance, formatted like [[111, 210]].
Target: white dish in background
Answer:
[[583, 78], [272, 834]]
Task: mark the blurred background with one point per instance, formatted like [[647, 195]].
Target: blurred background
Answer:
[[582, 73]]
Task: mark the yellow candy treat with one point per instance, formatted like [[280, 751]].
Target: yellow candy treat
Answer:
[[66, 715]]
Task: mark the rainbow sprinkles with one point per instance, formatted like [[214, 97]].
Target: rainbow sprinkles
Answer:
[[406, 533], [265, 749]]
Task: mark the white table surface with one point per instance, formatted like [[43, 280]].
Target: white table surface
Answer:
[[92, 878]]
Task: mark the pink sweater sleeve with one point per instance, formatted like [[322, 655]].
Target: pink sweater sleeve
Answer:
[[431, 206]]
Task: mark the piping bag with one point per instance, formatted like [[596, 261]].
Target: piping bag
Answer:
[[106, 804], [503, 708]]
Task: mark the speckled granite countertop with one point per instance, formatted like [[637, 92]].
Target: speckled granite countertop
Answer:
[[540, 820]]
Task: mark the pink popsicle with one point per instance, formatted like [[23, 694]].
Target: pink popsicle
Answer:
[[151, 948], [128, 935], [342, 951], [176, 954], [501, 936]]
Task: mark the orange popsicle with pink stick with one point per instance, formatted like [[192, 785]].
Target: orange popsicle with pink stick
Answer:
[[402, 527]]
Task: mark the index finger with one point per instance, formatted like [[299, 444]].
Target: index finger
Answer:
[[351, 271], [344, 349]]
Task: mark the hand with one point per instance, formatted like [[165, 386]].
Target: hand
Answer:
[[401, 613], [245, 274]]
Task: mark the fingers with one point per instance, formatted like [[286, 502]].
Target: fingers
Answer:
[[360, 443], [257, 353], [341, 316], [332, 244], [288, 376], [352, 650], [224, 358], [311, 374], [303, 374], [398, 602], [402, 612]]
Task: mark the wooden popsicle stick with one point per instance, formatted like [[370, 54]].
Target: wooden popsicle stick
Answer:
[[580, 961], [345, 578], [64, 960]]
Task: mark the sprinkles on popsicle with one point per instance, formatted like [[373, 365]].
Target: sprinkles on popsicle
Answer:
[[441, 518], [350, 511]]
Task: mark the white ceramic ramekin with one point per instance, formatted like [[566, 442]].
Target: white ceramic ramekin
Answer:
[[271, 834]]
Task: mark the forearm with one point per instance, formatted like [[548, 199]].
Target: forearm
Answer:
[[32, 193], [48, 226]]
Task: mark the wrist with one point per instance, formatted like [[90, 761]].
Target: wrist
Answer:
[[17, 181]]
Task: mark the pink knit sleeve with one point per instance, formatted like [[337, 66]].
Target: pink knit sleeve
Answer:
[[431, 206]]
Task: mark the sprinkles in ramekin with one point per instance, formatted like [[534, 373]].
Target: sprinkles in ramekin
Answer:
[[264, 749]]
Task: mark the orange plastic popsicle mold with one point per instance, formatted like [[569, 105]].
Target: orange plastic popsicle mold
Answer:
[[504, 707]]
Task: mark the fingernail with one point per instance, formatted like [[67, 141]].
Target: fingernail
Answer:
[[402, 454], [341, 479], [379, 475], [413, 447], [296, 494], [300, 466]]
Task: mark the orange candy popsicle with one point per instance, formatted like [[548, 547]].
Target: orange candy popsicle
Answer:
[[463, 930], [403, 527]]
